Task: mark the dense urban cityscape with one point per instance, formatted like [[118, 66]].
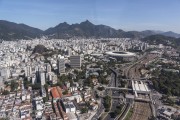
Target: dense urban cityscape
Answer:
[[78, 79], [89, 60]]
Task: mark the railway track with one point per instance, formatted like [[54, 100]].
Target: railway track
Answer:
[[133, 72], [123, 114]]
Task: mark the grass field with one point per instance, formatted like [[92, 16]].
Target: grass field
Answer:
[[128, 116]]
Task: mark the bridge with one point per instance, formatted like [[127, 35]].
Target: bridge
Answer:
[[118, 88], [117, 97], [142, 99], [139, 79]]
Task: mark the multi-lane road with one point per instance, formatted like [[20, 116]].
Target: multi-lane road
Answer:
[[101, 109]]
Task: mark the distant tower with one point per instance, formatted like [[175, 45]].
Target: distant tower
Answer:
[[69, 52], [102, 47], [75, 61]]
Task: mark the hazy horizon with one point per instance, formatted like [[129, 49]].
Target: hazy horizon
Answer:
[[128, 15]]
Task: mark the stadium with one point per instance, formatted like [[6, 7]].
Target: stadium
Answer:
[[121, 55]]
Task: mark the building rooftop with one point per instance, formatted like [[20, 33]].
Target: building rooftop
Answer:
[[139, 86], [71, 116], [55, 93]]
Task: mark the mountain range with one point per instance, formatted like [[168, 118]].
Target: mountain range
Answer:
[[86, 29]]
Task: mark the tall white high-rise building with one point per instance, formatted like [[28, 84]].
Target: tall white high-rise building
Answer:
[[33, 79], [2, 82], [102, 47], [69, 52], [42, 78], [5, 72], [36, 68], [28, 71], [48, 67], [61, 65], [75, 61]]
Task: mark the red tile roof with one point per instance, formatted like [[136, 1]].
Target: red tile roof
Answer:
[[55, 93], [59, 91]]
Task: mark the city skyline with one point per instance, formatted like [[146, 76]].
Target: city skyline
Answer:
[[75, 66], [125, 14]]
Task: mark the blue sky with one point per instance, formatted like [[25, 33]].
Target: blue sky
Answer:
[[120, 14]]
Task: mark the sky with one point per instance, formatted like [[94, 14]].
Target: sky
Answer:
[[127, 15]]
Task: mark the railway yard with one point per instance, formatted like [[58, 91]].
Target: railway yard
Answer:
[[141, 111], [140, 101], [133, 71]]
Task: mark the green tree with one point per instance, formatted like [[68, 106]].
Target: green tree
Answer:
[[118, 109], [27, 83], [14, 85], [107, 102], [84, 110], [65, 92], [88, 82], [59, 83], [46, 87], [36, 86], [4, 118], [45, 99], [5, 92], [100, 88]]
